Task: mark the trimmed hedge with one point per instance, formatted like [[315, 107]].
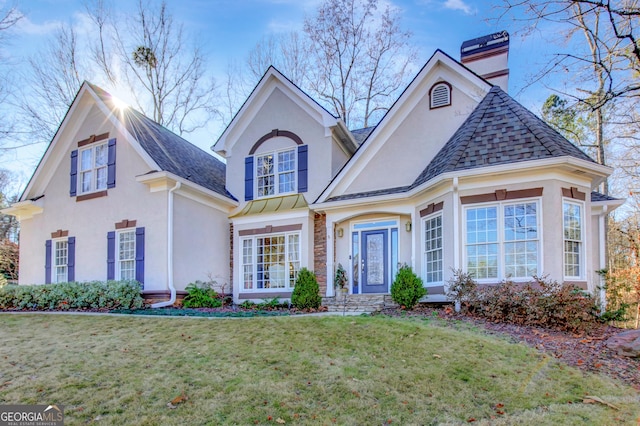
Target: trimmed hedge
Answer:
[[73, 295]]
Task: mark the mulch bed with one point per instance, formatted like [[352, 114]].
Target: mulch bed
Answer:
[[585, 352]]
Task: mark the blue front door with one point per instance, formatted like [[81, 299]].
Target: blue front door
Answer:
[[374, 261]]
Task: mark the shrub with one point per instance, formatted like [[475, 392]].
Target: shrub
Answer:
[[407, 289], [543, 303], [306, 293], [73, 295], [462, 288], [201, 295]]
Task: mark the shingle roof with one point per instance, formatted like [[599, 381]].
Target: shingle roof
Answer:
[[597, 196], [498, 131], [361, 134], [170, 151]]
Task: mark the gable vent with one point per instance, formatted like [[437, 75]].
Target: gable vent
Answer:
[[440, 95]]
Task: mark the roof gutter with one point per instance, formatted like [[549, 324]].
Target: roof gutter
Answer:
[[172, 289]]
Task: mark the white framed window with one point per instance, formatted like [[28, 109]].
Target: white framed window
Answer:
[[126, 254], [276, 173], [270, 262], [573, 236], [503, 240], [60, 261], [93, 168], [440, 95], [433, 249]]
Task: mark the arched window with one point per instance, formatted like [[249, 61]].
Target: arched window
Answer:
[[440, 95]]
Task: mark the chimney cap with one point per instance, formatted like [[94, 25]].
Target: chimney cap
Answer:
[[484, 43]]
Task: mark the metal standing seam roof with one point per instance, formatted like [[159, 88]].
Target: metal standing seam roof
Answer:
[[170, 151], [498, 131], [274, 204]]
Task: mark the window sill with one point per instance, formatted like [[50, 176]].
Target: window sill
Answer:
[[91, 195]]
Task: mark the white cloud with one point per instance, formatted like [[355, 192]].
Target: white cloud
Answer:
[[459, 5], [27, 27]]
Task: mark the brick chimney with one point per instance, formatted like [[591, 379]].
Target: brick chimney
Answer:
[[488, 57]]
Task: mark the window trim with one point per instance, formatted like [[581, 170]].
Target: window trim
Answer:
[[424, 221], [276, 174], [118, 260], [501, 276], [254, 261], [581, 255], [94, 187]]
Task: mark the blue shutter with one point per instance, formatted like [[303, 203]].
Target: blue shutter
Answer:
[[140, 255], [111, 255], [248, 178], [73, 184], [47, 262], [111, 164], [302, 167], [71, 259]]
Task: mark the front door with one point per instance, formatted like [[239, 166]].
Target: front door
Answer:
[[374, 261]]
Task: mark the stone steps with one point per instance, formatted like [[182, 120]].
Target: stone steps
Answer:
[[363, 303]]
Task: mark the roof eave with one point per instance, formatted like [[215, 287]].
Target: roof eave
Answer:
[[162, 180]]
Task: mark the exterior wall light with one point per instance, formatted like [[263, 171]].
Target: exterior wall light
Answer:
[[407, 226]]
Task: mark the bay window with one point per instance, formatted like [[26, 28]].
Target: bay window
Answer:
[[573, 239], [433, 249], [502, 241]]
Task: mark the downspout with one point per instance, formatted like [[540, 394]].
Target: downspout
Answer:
[[172, 300], [456, 231], [602, 237]]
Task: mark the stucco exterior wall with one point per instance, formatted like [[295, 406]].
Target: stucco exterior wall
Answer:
[[201, 244], [90, 220], [417, 138], [280, 112]]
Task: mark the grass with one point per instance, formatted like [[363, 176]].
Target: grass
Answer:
[[309, 370]]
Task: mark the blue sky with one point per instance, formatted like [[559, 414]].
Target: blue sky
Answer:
[[228, 29]]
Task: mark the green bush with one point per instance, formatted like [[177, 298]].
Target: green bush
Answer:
[[201, 295], [306, 294], [73, 295], [407, 289]]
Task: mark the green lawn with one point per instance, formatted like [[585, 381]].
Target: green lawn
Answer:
[[315, 370]]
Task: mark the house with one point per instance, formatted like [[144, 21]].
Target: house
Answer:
[[457, 175], [117, 196]]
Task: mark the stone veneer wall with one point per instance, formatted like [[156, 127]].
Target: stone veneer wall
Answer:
[[320, 250]]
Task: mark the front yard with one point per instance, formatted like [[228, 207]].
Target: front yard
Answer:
[[288, 370]]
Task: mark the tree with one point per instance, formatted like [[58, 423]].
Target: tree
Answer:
[[360, 58], [352, 56], [161, 69], [9, 16], [54, 77], [145, 55], [9, 228]]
